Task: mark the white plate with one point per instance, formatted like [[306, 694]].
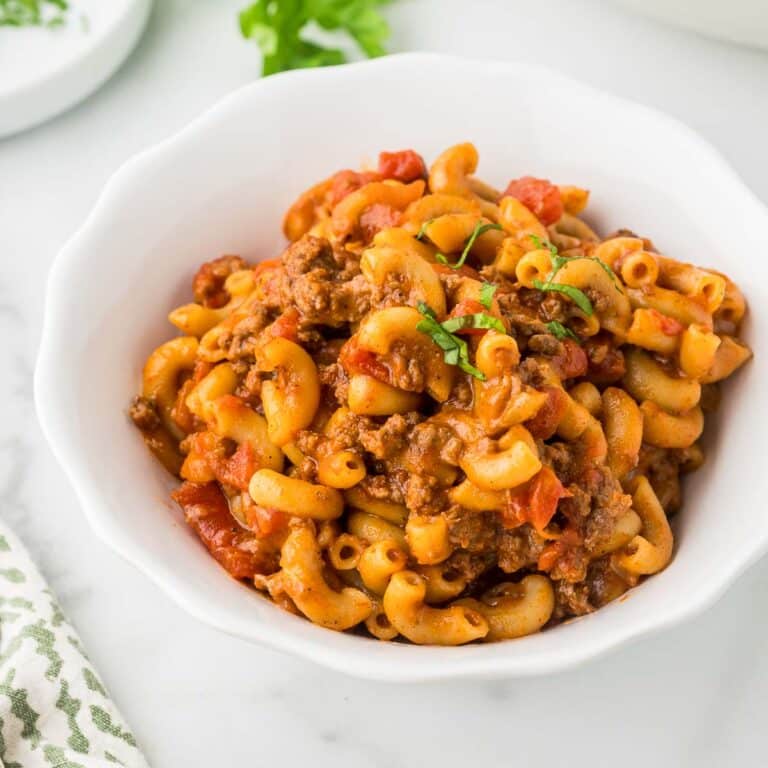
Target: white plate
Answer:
[[222, 185], [43, 71]]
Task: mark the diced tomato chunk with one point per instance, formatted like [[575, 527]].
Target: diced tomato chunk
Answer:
[[546, 490], [540, 196], [515, 511], [405, 165], [668, 325], [463, 271], [549, 556], [344, 183], [555, 550], [238, 469], [207, 512], [264, 521], [572, 361], [534, 502], [354, 359], [286, 325], [544, 423], [378, 217]]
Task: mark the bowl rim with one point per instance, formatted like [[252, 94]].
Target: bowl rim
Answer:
[[48, 402]]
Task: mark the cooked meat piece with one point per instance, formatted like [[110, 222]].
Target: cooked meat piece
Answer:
[[387, 440], [519, 548], [334, 381], [143, 414], [466, 566], [208, 283], [424, 495], [475, 532], [242, 340], [324, 283], [571, 600]]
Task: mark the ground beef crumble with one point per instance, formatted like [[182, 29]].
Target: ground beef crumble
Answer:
[[143, 414], [324, 283]]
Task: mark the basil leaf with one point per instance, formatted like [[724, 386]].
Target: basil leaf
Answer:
[[423, 229], [578, 297], [279, 28], [464, 363], [467, 367], [541, 244], [558, 262], [487, 290], [426, 310], [455, 350], [560, 331], [609, 272], [477, 320], [479, 229]]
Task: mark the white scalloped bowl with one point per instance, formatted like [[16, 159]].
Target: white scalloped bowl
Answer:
[[221, 186]]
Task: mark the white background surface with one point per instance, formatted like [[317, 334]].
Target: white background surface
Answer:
[[694, 696]]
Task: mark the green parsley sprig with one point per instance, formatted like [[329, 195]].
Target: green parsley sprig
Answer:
[[455, 349], [280, 29]]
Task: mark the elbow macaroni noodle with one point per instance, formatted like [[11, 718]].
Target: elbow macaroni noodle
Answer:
[[446, 413]]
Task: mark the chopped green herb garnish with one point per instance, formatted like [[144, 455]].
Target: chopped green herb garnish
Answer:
[[479, 229], [477, 320], [558, 262], [608, 271], [578, 297], [487, 290], [280, 28], [541, 244], [455, 349], [33, 13], [426, 310], [423, 229], [561, 331]]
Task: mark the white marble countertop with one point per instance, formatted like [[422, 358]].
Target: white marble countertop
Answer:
[[694, 696]]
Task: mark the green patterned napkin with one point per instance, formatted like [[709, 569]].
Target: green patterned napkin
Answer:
[[54, 710]]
